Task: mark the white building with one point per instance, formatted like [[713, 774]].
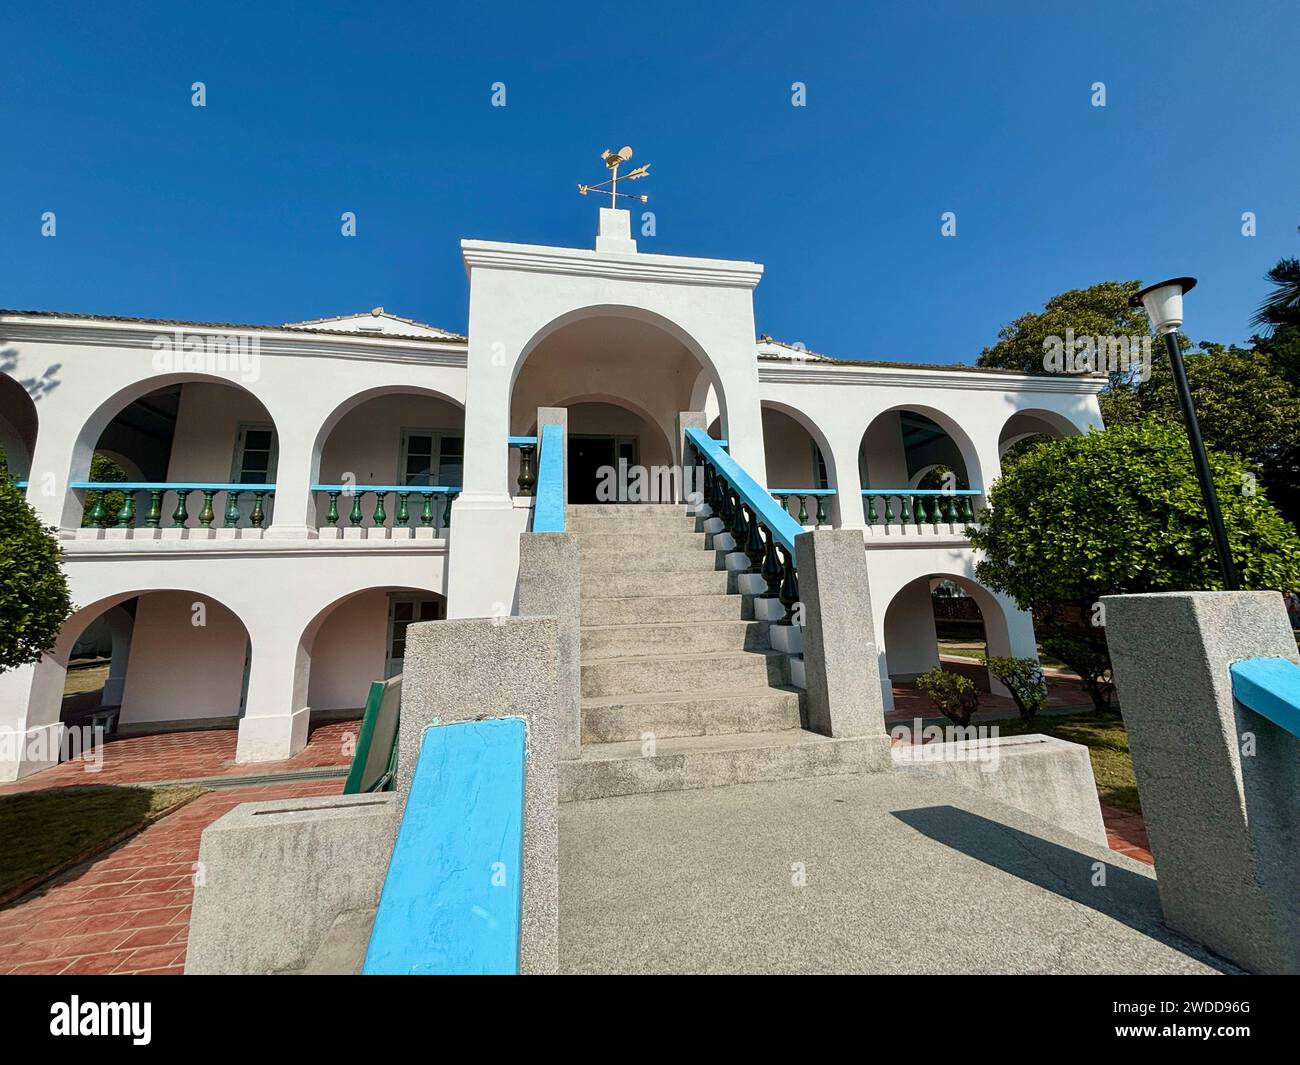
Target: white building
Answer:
[[286, 598]]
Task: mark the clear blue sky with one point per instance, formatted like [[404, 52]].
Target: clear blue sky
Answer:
[[231, 212]]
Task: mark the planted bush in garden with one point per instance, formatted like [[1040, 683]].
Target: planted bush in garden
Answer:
[[1023, 677], [951, 693]]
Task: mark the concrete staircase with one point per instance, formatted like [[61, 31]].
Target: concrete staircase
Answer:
[[681, 687]]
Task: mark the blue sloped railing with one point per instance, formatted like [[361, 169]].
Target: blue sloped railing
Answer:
[[548, 511], [452, 901], [760, 526], [1270, 687]]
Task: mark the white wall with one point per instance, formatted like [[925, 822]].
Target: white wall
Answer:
[[178, 670], [349, 652]]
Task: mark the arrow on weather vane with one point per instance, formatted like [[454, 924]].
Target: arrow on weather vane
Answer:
[[613, 160]]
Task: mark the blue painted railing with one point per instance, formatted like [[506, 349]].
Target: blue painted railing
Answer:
[[758, 524], [548, 511], [933, 505], [452, 900], [1270, 687]]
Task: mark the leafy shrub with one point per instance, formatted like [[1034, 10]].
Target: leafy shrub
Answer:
[[34, 599], [1023, 677], [951, 693]]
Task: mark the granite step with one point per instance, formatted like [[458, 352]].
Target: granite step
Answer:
[[649, 558], [602, 642], [627, 585], [687, 763], [643, 674], [702, 713], [650, 609]]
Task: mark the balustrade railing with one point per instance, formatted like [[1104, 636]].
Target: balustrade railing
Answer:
[[527, 478], [414, 506], [760, 527], [798, 498], [153, 505], [919, 506]]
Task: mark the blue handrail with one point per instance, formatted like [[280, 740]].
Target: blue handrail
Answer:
[[165, 486], [921, 491], [1270, 687], [422, 489], [757, 498], [548, 511]]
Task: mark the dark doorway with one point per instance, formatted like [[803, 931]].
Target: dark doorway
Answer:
[[588, 456]]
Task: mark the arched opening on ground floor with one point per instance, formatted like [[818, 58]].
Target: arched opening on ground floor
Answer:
[[357, 640], [193, 432], [943, 620], [150, 661], [624, 376]]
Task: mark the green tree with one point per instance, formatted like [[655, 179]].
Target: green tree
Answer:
[[1120, 511], [34, 601], [1244, 406], [1099, 311]]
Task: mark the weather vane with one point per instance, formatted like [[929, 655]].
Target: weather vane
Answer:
[[614, 160]]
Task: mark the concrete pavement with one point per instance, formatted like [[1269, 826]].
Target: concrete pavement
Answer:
[[900, 874]]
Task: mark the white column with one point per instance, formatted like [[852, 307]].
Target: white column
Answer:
[[276, 714], [30, 733], [483, 553], [848, 481], [294, 514]]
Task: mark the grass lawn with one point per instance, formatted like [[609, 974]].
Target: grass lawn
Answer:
[[1107, 742], [962, 649], [85, 678], [41, 830]]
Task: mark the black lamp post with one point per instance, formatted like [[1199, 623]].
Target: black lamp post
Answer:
[[1164, 306]]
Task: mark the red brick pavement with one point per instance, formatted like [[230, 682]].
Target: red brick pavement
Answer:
[[129, 910], [188, 755], [1127, 834]]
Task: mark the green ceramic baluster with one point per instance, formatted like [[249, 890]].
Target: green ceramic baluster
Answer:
[[803, 510], [381, 515], [97, 514], [181, 515], [126, 515], [426, 511], [403, 512], [258, 516], [232, 515], [872, 516], [206, 514], [332, 515], [354, 519], [154, 517]]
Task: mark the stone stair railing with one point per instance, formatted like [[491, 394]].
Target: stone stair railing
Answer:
[[760, 526]]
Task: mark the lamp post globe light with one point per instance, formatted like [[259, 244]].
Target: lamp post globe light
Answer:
[[1163, 302]]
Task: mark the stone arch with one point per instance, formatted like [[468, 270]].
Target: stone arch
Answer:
[[19, 423], [366, 630], [1034, 421]]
